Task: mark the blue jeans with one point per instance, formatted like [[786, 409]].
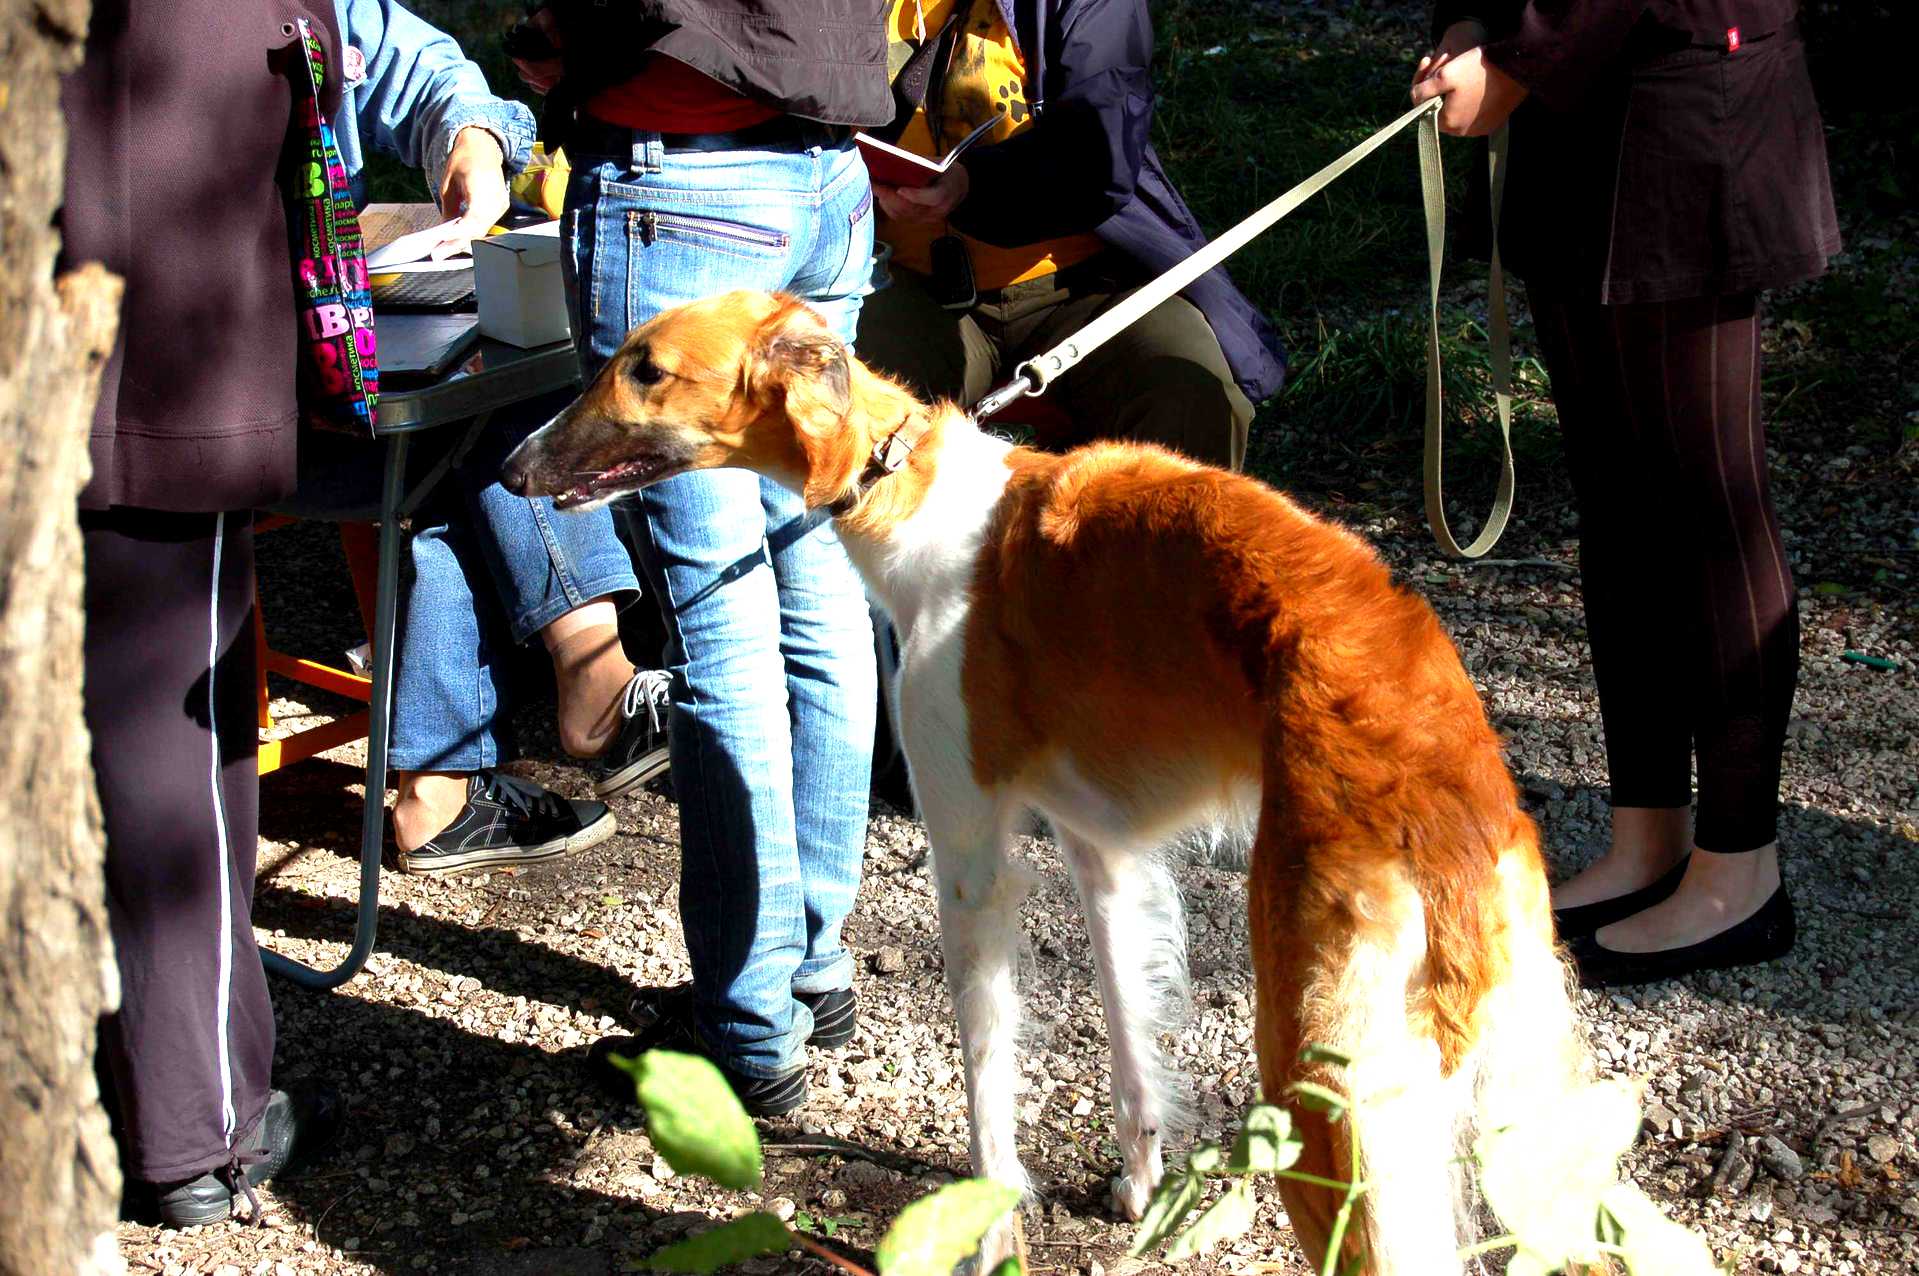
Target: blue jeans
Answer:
[[768, 637], [487, 571]]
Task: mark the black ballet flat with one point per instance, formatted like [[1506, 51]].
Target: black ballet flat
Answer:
[[1583, 919], [1766, 935]]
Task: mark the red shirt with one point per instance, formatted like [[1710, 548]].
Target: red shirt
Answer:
[[668, 96]]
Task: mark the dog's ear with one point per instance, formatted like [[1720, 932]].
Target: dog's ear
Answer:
[[800, 361], [804, 370]]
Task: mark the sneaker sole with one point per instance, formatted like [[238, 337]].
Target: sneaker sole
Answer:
[[632, 775], [502, 856]]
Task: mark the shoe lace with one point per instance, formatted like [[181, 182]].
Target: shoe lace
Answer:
[[235, 1174], [648, 689], [522, 796]]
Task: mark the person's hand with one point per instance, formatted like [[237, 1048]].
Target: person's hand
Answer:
[[1466, 34], [542, 75], [473, 190], [926, 204], [1479, 97]]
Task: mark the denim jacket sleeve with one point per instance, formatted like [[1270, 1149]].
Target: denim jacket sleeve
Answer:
[[420, 90]]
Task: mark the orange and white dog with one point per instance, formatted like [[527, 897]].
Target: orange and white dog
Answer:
[[1133, 644]]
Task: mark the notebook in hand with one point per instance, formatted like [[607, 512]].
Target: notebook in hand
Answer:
[[889, 165]]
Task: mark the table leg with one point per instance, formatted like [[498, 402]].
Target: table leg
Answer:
[[379, 719]]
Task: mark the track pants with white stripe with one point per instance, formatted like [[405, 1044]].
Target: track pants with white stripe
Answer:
[[170, 704]]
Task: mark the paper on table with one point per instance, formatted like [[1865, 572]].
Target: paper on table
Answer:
[[408, 253]]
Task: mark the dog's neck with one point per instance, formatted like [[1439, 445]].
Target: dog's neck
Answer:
[[891, 450]]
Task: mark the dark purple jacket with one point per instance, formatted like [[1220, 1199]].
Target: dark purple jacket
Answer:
[[1667, 148], [1089, 165], [175, 120]]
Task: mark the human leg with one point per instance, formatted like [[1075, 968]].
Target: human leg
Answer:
[[1690, 374], [170, 708], [1747, 668], [1636, 616], [453, 811], [643, 233]]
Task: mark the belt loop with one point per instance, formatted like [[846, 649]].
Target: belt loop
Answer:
[[649, 152]]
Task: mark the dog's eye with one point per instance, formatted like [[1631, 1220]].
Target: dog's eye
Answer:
[[644, 371]]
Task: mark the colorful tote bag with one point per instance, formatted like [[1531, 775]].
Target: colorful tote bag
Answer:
[[339, 367]]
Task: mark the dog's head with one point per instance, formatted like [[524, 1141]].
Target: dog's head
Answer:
[[750, 380]]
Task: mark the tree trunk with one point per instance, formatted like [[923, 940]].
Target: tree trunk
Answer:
[[58, 1168]]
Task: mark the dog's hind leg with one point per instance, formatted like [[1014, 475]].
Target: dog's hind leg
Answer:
[[1139, 948]]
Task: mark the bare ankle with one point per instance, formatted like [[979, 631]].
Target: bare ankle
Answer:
[[428, 801]]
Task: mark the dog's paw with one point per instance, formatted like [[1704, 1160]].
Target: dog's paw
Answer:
[[1130, 1196]]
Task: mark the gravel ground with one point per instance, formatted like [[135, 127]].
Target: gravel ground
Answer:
[[1782, 1112]]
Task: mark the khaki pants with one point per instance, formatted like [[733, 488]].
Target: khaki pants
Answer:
[[1163, 380]]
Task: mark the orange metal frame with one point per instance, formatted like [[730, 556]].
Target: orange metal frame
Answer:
[[360, 542]]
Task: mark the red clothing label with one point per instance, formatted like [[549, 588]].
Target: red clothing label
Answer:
[[668, 96], [1732, 39]]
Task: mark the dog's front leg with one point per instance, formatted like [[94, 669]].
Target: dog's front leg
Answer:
[[980, 891]]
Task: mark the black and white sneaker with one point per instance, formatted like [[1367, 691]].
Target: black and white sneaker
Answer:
[[667, 1024], [508, 820], [639, 752]]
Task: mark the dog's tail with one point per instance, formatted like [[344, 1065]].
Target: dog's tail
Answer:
[[1361, 976]]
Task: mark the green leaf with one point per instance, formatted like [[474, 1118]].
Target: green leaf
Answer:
[[1224, 1219], [1830, 589], [1653, 1244], [1205, 1157], [1172, 1202], [1320, 1052], [745, 1237], [1319, 1098], [695, 1120], [936, 1232], [1266, 1143], [611, 901], [1011, 1267], [1546, 1176]]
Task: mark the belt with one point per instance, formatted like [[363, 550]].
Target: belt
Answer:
[[591, 136]]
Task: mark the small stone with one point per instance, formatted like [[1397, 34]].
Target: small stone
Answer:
[[887, 961], [1780, 1161], [1083, 1108], [782, 1208], [1659, 1118], [833, 1199], [1882, 1149], [660, 1170], [1734, 1171], [863, 1174]]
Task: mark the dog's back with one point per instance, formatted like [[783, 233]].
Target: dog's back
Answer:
[[1148, 640]]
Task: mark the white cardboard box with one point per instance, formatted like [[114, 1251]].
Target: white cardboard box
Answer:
[[516, 280]]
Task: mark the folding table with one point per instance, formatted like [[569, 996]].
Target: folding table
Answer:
[[493, 376]]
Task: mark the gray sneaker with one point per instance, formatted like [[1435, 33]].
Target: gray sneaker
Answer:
[[639, 752]]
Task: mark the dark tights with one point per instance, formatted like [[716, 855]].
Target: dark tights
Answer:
[[1689, 599]]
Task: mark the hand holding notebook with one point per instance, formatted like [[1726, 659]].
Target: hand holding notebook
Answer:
[[890, 165]]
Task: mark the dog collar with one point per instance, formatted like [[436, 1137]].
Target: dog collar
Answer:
[[889, 454]]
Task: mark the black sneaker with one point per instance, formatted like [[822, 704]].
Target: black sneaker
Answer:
[[834, 1014], [671, 1027], [508, 820], [639, 752], [297, 1125]]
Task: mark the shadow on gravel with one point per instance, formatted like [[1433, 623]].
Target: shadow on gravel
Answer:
[[439, 1157]]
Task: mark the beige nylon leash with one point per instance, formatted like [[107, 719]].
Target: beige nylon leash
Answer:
[[1035, 375]]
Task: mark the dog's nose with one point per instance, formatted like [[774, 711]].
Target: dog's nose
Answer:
[[516, 476]]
